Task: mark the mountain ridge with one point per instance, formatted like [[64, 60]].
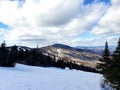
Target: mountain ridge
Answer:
[[72, 54]]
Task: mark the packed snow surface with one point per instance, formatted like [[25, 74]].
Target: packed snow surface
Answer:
[[23, 77]]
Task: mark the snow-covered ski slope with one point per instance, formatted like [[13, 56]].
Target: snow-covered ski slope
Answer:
[[23, 77]]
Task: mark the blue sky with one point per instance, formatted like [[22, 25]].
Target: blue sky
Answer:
[[86, 2], [3, 26], [71, 22]]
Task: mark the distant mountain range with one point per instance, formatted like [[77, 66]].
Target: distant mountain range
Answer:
[[95, 49]]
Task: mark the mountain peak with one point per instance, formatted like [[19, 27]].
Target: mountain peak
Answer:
[[57, 45]]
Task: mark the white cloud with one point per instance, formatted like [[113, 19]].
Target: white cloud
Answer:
[[50, 21], [87, 16], [109, 24], [2, 31], [61, 14], [115, 2]]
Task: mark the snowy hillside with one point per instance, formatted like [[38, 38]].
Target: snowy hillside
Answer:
[[24, 77]]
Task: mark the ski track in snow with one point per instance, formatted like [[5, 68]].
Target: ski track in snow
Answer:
[[23, 77]]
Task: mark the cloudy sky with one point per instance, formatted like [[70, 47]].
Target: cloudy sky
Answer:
[[71, 22]]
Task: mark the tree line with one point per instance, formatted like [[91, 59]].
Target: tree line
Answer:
[[109, 66], [9, 56]]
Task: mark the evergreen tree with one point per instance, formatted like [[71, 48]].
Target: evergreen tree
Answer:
[[105, 60], [106, 52], [13, 57], [3, 54], [116, 56], [3, 45], [112, 74], [33, 57]]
